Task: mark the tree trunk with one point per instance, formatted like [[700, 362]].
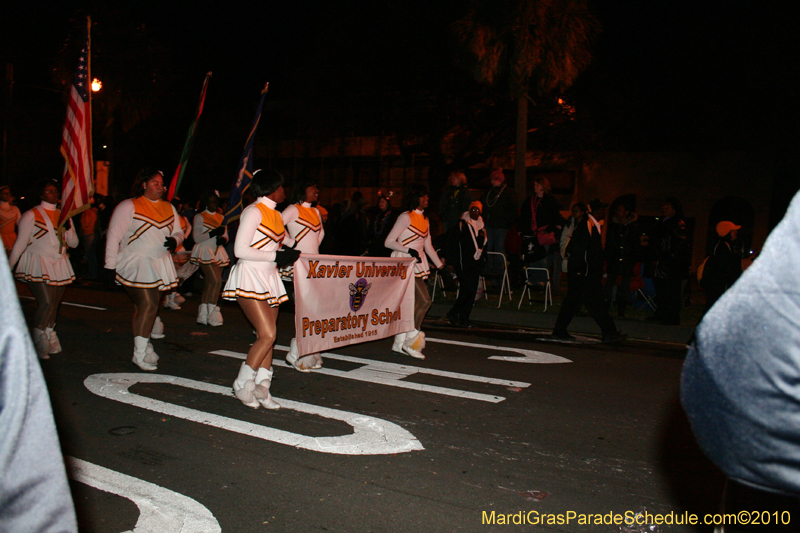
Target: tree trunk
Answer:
[[520, 175]]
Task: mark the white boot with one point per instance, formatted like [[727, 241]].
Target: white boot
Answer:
[[214, 315], [140, 352], [397, 346], [158, 329], [55, 344], [414, 344], [170, 303], [263, 381], [317, 361], [41, 341], [202, 314], [151, 355], [244, 386], [298, 363]]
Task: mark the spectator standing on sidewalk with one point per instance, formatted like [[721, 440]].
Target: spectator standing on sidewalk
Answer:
[[724, 265], [622, 245], [669, 264], [585, 271], [499, 214], [455, 200], [540, 224]]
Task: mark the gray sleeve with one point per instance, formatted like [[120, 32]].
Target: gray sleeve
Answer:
[[34, 493], [740, 379]]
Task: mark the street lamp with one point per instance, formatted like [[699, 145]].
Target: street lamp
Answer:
[[96, 85]]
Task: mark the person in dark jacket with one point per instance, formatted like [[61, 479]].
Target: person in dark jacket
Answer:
[[380, 226], [585, 273], [670, 263], [455, 200], [499, 214], [739, 381], [724, 265], [466, 247], [622, 245]]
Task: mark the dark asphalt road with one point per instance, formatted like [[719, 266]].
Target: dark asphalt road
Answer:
[[601, 433]]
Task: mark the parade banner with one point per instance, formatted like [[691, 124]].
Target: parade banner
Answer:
[[343, 300]]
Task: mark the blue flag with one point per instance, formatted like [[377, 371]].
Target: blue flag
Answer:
[[245, 170]]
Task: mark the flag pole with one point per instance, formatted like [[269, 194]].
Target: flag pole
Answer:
[[187, 147], [244, 172], [77, 184]]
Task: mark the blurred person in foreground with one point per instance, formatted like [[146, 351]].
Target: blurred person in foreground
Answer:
[[739, 382], [34, 493]]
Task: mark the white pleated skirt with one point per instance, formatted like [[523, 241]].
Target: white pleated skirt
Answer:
[[37, 268], [205, 255], [256, 280], [143, 272]]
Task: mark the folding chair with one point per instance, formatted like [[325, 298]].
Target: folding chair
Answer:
[[534, 276], [506, 283], [637, 287]]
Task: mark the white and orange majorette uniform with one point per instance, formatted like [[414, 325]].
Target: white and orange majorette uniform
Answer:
[[304, 224], [411, 230], [40, 255], [255, 275], [135, 243], [206, 251], [9, 218]]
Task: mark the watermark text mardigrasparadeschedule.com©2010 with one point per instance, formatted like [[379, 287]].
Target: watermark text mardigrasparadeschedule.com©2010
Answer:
[[535, 518]]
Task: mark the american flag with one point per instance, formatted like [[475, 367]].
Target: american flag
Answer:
[[76, 142]]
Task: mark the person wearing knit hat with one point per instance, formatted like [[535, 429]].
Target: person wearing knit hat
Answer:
[[724, 266]]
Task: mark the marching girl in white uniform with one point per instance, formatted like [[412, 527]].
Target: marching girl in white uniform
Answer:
[[143, 233], [255, 283], [210, 237], [304, 224], [44, 265], [410, 237]]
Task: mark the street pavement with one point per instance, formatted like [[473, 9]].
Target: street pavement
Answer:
[[498, 419]]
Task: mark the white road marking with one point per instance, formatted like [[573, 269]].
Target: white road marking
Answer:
[[528, 356], [160, 509], [371, 436], [392, 373], [72, 304]]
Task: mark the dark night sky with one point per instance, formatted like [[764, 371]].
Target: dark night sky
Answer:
[[667, 75]]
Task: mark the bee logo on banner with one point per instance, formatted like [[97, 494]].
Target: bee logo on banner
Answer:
[[358, 293], [325, 318]]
